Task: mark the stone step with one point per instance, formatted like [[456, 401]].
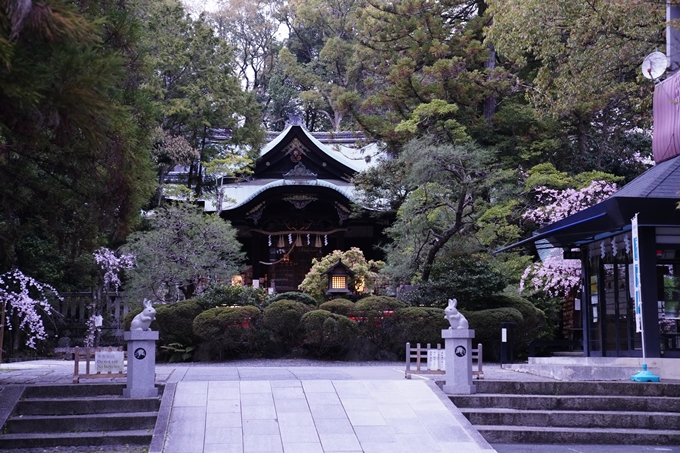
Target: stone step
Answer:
[[568, 402], [81, 423], [92, 438], [73, 390], [554, 435], [580, 372], [647, 389], [88, 405], [573, 419]]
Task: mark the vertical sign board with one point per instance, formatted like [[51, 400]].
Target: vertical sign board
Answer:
[[636, 274]]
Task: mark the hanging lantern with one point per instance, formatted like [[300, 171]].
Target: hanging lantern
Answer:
[[298, 241], [317, 242]]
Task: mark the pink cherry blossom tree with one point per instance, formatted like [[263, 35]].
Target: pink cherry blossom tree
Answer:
[[24, 300], [111, 266], [555, 275]]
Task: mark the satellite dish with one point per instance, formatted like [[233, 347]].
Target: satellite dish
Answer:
[[654, 65]]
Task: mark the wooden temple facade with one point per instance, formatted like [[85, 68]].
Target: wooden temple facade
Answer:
[[298, 205]]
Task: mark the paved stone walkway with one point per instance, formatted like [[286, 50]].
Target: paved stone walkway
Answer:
[[295, 406]]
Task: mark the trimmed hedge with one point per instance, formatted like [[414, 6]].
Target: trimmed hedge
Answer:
[[227, 295], [487, 327], [533, 324], [328, 334], [419, 325], [378, 303], [338, 306], [282, 318], [228, 330], [375, 316], [296, 296]]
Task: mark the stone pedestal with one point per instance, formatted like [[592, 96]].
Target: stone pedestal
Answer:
[[141, 366], [458, 347]]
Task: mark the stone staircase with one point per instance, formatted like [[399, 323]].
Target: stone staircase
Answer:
[[616, 413], [79, 415]]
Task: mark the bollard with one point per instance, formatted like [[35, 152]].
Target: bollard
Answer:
[[507, 333], [141, 368]]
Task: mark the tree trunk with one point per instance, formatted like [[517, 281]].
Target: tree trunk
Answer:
[[490, 101]]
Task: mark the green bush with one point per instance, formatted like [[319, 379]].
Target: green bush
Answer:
[[533, 325], [173, 321], [328, 334], [338, 306], [227, 295], [228, 331], [282, 319], [378, 303], [419, 325], [375, 318], [296, 296], [487, 327]]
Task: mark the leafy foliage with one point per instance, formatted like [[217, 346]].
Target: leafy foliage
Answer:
[[184, 249], [73, 132], [465, 278], [328, 334], [365, 272], [218, 294], [338, 306], [295, 296], [282, 318], [419, 325], [227, 330]]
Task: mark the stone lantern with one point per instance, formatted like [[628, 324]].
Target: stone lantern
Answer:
[[338, 279]]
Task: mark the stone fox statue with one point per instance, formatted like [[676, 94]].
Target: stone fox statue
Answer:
[[456, 320], [143, 320]]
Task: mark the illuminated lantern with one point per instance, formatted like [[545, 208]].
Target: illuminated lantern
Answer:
[[338, 279]]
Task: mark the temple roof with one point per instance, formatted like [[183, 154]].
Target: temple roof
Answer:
[[297, 159]]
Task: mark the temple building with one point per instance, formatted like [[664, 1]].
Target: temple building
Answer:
[[298, 205]]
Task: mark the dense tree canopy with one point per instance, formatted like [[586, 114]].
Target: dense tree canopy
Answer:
[[73, 131]]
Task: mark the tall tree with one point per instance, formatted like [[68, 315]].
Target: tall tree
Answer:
[[73, 131], [450, 181], [586, 56], [194, 87], [425, 69], [320, 58]]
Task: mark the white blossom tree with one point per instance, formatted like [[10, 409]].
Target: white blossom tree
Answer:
[[555, 275], [111, 267], [24, 300]]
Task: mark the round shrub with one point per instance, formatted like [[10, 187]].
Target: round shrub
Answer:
[[282, 320], [175, 321], [328, 334], [487, 327], [378, 303], [296, 296], [338, 306], [227, 330], [533, 324], [375, 318], [227, 295], [419, 325]]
